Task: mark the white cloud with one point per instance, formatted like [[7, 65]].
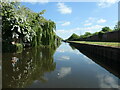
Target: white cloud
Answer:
[[90, 19], [64, 58], [107, 81], [78, 30], [69, 31], [70, 50], [66, 24], [77, 52], [60, 50], [64, 9], [64, 71], [93, 20], [87, 24], [61, 31], [34, 1], [95, 27], [106, 3], [101, 21]]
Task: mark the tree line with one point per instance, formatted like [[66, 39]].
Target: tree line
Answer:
[[22, 26], [88, 34]]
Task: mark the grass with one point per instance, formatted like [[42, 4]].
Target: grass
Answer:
[[111, 44]]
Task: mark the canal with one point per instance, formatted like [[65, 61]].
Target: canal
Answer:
[[62, 67]]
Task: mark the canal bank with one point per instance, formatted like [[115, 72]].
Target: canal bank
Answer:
[[107, 57], [111, 53]]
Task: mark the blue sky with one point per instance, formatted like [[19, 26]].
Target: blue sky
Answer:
[[77, 17]]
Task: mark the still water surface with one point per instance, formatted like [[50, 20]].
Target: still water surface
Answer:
[[62, 67]]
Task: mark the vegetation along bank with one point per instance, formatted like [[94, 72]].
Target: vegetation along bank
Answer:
[[21, 27], [104, 35]]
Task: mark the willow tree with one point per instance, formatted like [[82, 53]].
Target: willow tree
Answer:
[[24, 26], [48, 34]]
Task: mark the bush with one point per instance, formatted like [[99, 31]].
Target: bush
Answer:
[[73, 37], [100, 34], [22, 25], [106, 29]]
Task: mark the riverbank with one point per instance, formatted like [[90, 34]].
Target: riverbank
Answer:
[[108, 44], [107, 57], [106, 52]]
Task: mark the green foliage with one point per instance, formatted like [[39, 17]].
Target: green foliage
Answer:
[[117, 26], [112, 44], [100, 34], [106, 29], [19, 47], [73, 36], [96, 33], [8, 47], [73, 48], [87, 34], [21, 25], [29, 65], [82, 36]]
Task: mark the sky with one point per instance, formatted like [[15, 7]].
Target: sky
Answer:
[[78, 17]]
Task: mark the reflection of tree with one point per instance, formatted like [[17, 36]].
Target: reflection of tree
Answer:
[[28, 66], [109, 64], [73, 48]]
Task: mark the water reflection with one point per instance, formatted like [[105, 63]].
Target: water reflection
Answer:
[[21, 69], [107, 81], [64, 71], [110, 65], [73, 48], [64, 58], [50, 68], [0, 71], [88, 60], [65, 48]]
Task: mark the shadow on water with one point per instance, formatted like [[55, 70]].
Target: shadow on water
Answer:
[[21, 69], [109, 65]]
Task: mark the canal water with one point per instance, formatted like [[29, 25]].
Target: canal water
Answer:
[[62, 67]]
